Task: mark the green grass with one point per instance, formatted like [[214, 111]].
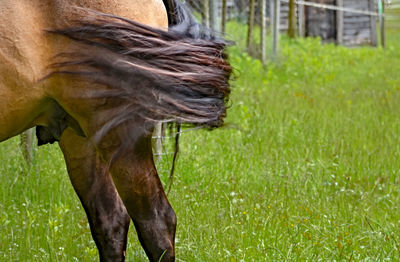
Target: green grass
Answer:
[[308, 170]]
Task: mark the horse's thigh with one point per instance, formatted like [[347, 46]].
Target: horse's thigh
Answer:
[[107, 215]]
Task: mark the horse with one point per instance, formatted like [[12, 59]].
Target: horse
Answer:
[[95, 77]]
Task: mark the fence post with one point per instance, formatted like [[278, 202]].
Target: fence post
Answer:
[[26, 144], [301, 20], [250, 24], [214, 17], [292, 19], [263, 30], [224, 11], [277, 5], [382, 22], [339, 23], [158, 133], [206, 13], [374, 37], [271, 15]]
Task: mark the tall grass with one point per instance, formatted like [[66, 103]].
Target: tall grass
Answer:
[[308, 169]]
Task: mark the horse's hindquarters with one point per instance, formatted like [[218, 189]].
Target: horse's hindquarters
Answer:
[[148, 12], [26, 51]]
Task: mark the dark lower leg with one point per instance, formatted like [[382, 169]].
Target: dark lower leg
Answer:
[[156, 229], [108, 218], [139, 186]]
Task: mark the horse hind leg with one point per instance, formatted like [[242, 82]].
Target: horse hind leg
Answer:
[[140, 188], [108, 219]]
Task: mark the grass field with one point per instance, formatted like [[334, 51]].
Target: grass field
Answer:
[[308, 169]]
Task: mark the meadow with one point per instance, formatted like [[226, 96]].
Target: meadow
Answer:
[[307, 168]]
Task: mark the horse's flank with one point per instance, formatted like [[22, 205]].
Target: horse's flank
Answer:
[[26, 51]]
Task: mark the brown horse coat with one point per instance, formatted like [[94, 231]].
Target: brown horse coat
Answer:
[[26, 51]]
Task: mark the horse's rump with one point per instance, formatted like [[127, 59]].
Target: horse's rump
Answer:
[[177, 76]]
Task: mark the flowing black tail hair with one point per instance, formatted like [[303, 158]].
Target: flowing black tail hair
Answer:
[[178, 76]]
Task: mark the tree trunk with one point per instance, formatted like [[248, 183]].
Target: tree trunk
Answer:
[[292, 19]]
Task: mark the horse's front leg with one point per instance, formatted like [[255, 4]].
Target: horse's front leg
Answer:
[[108, 219], [140, 189]]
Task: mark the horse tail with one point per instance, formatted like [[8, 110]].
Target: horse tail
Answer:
[[180, 75], [179, 19]]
